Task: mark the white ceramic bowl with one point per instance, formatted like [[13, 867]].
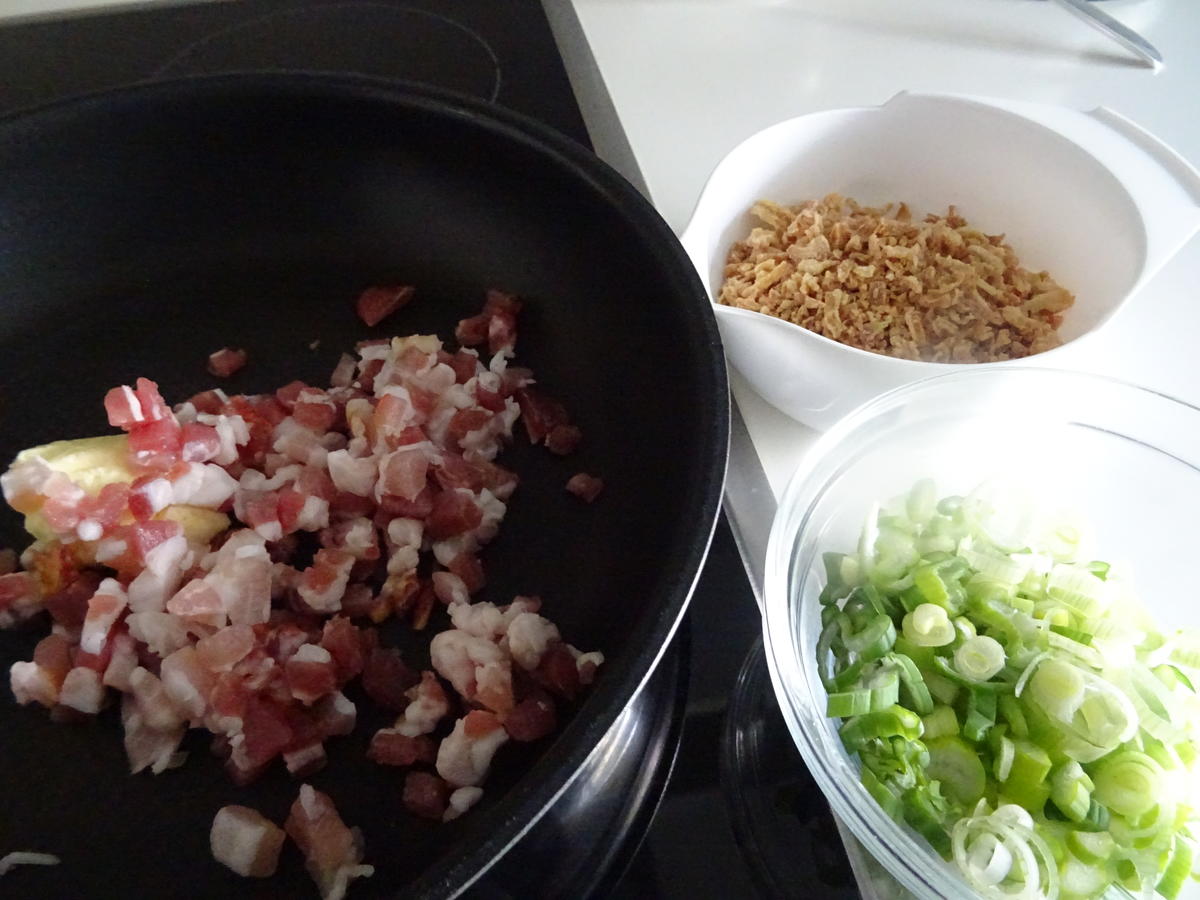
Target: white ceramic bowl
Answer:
[[1089, 197], [1126, 459]]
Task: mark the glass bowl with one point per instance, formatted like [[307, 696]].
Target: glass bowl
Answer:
[[1125, 458]]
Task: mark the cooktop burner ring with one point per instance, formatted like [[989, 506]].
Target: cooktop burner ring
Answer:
[[364, 20]]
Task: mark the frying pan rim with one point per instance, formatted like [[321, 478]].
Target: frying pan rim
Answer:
[[554, 771]]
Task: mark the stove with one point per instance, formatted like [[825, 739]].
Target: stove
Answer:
[[688, 830]]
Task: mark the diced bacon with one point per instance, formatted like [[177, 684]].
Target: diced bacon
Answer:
[[472, 331], [343, 372], [586, 664], [31, 683], [332, 852], [200, 442], [157, 709], [465, 755], [148, 747], [259, 510], [20, 598], [425, 795], [533, 718], [479, 670], [465, 364], [357, 537], [391, 748], [377, 303], [154, 408], [335, 715], [323, 583], [148, 592], [145, 536], [122, 662], [357, 476], [232, 434], [104, 608], [243, 840], [123, 407], [454, 512], [83, 691], [460, 801], [449, 588], [61, 508], [469, 570], [187, 681], [52, 656], [584, 486], [226, 362], [202, 484], [563, 439], [344, 642], [149, 495], [287, 394], [265, 734], [386, 679], [529, 635], [315, 410], [420, 507], [244, 584], [68, 606], [102, 510], [464, 422], [558, 673], [428, 706], [502, 332], [306, 760], [311, 673], [198, 602], [221, 651], [24, 484], [298, 443], [209, 402], [540, 413], [155, 444], [402, 473]]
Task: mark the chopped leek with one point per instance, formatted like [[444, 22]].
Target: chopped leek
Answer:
[[1009, 703]]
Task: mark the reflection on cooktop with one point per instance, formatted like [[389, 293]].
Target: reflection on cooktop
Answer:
[[364, 38]]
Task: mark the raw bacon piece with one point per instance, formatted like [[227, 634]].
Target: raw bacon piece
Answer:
[[428, 706], [311, 673], [335, 715], [315, 410], [533, 718], [470, 570], [148, 747], [344, 642], [541, 414], [391, 748], [465, 755], [332, 852], [529, 635], [226, 361], [479, 670], [323, 583], [454, 512], [245, 841], [83, 691], [221, 651], [187, 681], [460, 801], [20, 598], [402, 473], [155, 444], [425, 795], [377, 303], [386, 679], [563, 439], [584, 486]]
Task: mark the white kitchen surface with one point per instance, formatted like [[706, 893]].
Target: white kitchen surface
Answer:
[[692, 78]]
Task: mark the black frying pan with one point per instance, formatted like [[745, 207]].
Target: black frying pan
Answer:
[[142, 229]]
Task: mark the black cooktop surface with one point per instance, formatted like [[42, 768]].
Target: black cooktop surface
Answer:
[[501, 51]]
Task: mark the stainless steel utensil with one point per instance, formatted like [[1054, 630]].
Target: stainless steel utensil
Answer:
[[1106, 24]]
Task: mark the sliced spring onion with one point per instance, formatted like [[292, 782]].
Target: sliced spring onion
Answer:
[[928, 626], [1129, 783], [942, 722], [893, 721], [958, 768], [979, 658]]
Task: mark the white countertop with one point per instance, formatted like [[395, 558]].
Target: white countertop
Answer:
[[690, 79]]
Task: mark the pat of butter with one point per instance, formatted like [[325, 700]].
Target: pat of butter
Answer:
[[96, 461]]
